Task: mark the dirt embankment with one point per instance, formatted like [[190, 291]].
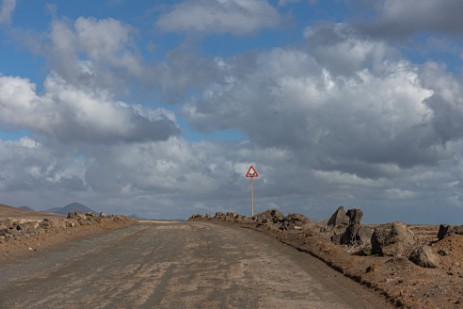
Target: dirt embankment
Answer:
[[409, 264], [23, 232]]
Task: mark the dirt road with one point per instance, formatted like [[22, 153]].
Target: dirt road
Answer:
[[178, 265]]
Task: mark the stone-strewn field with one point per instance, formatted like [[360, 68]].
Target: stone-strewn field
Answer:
[[24, 232], [414, 266]]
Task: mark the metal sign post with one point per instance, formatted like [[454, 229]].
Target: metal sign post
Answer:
[[251, 174], [252, 196]]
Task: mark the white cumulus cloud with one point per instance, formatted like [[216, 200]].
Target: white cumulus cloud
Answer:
[[290, 99], [401, 18], [6, 10], [70, 114], [240, 17], [91, 53]]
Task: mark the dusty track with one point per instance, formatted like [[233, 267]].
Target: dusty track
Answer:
[[178, 265]]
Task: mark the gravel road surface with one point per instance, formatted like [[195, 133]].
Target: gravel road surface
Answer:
[[178, 265]]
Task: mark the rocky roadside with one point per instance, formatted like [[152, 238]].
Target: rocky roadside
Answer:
[[23, 236], [412, 266]]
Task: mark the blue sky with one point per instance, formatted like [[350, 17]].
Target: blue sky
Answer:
[[159, 107]]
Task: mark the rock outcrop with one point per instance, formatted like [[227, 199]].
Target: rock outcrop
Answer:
[[393, 239], [346, 228], [294, 221], [219, 215], [355, 216], [339, 217], [424, 257], [447, 230]]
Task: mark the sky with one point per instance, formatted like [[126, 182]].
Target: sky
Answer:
[[158, 108]]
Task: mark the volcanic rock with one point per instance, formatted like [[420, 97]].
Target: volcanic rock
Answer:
[[339, 217], [297, 219], [355, 216], [447, 230], [424, 257], [230, 216], [196, 216], [264, 217], [3, 228], [219, 215], [364, 235], [392, 239], [76, 215], [44, 224], [277, 216]]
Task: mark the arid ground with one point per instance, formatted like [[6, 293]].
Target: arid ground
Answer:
[[394, 275], [210, 262], [155, 264]]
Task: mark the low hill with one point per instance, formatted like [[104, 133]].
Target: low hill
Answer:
[[71, 208], [14, 212]]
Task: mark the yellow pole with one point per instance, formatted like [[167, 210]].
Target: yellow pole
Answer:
[[252, 197]]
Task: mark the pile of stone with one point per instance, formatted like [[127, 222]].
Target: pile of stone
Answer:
[[12, 229], [276, 219], [447, 230], [271, 219], [345, 228], [391, 239]]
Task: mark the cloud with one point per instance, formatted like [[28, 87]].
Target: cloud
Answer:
[[342, 50], [173, 178], [346, 179], [402, 18], [364, 112], [152, 167], [341, 118], [287, 2], [180, 73], [446, 103], [238, 17], [88, 52], [142, 177], [32, 166], [106, 40], [356, 121], [70, 115], [6, 10], [91, 53], [400, 194]]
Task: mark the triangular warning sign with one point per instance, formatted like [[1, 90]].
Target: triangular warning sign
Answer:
[[252, 172]]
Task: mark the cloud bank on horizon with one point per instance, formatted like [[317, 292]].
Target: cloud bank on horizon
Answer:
[[158, 108]]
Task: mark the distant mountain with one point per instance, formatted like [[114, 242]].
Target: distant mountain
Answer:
[[70, 208], [25, 208], [135, 216]]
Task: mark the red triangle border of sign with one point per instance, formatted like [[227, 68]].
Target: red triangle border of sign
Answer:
[[248, 174]]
